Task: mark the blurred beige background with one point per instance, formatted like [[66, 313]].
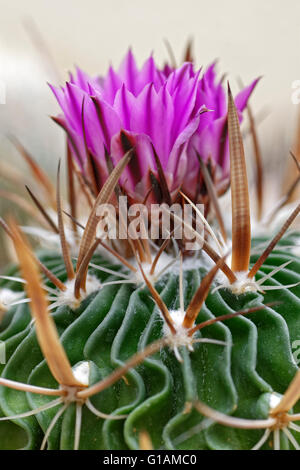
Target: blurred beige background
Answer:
[[250, 37]]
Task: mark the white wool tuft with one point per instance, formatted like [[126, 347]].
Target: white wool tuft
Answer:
[[8, 297], [81, 372], [67, 297], [242, 284]]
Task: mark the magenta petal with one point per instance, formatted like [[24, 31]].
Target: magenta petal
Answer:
[[167, 70], [210, 102], [110, 85], [153, 115], [149, 75], [163, 122], [59, 94], [184, 102], [178, 159], [101, 123], [210, 73], [128, 72], [213, 143], [142, 112], [70, 100], [75, 141], [75, 97], [82, 80], [123, 105]]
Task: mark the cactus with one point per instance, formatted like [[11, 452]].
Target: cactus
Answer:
[[132, 344]]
